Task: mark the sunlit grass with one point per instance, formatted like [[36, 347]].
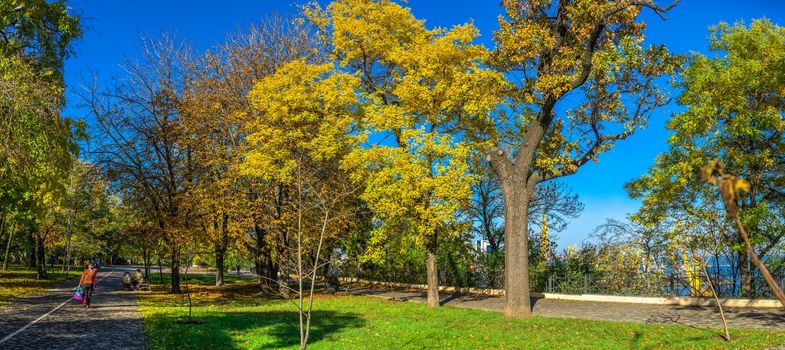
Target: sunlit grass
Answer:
[[20, 282], [194, 278], [237, 317]]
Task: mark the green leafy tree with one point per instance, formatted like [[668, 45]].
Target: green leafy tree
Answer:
[[38, 29], [734, 111], [37, 145]]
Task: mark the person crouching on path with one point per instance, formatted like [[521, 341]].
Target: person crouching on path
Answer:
[[138, 279], [86, 282]]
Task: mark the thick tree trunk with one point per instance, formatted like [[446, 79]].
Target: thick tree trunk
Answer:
[[40, 258], [220, 254], [258, 264], [266, 268], [516, 252], [431, 274], [175, 270]]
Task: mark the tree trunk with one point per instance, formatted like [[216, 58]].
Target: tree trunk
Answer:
[[745, 273], [160, 270], [267, 270], [220, 254], [175, 270], [3, 223], [516, 252], [220, 250], [432, 275], [30, 249], [266, 267], [8, 246], [40, 258], [775, 289], [67, 262], [272, 270], [146, 258], [52, 260]]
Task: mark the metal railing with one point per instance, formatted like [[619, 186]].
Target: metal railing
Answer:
[[655, 285]]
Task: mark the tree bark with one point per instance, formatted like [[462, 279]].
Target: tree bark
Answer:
[[745, 273], [40, 258], [266, 268], [146, 258], [3, 223], [220, 254], [220, 249], [517, 187], [30, 249], [175, 270], [160, 270], [517, 302], [432, 275], [775, 289], [67, 262], [8, 246]]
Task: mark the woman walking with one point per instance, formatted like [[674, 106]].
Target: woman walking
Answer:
[[86, 282]]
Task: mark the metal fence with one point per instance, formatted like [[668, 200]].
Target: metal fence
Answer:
[[654, 285]]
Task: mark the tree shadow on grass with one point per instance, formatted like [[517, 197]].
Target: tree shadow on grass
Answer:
[[262, 329]]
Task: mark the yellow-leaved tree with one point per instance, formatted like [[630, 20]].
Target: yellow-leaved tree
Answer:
[[592, 51], [299, 138], [425, 97]]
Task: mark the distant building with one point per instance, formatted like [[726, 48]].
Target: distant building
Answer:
[[483, 246]]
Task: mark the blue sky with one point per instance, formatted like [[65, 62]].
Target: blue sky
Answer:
[[113, 29]]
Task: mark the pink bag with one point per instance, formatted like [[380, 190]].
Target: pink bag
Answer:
[[78, 295]]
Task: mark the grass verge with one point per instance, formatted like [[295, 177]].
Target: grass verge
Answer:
[[20, 282], [236, 317]]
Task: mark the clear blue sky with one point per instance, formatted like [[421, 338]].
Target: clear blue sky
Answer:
[[113, 29]]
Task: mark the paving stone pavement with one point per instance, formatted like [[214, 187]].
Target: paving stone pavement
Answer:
[[113, 321], [702, 317]]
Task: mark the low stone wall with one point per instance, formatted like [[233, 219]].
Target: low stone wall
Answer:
[[681, 301]]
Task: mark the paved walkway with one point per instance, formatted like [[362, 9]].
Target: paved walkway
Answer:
[[113, 322], [703, 317]]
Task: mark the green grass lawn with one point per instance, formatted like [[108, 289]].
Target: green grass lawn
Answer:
[[20, 282], [195, 278], [237, 318]]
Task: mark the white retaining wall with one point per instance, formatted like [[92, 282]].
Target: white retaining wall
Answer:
[[681, 301]]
